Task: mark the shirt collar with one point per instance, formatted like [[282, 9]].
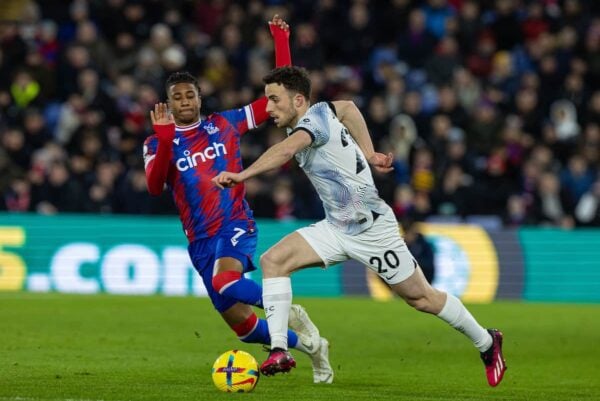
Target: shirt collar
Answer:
[[188, 127]]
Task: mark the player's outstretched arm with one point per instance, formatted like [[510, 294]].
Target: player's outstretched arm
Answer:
[[157, 165], [353, 119], [280, 31], [276, 156]]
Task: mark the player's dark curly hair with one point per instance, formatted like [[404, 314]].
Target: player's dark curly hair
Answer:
[[181, 77], [292, 78]]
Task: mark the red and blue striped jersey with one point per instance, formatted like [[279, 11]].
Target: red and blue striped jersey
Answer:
[[200, 152]]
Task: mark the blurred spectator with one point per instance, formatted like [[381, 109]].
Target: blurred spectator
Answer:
[[136, 21], [17, 151], [528, 112], [40, 73], [393, 17], [58, 193], [87, 36], [413, 107], [437, 14], [34, 127], [420, 248], [403, 202], [101, 192], [469, 26], [25, 90], [356, 38], [422, 206], [130, 196], [564, 119], [484, 131], [535, 22], [416, 43], [377, 118], [577, 178], [552, 204], [394, 94], [444, 61], [505, 26], [12, 45], [587, 210], [564, 130], [589, 145], [516, 212], [483, 104], [17, 196], [283, 200], [400, 141], [306, 48], [6, 170], [209, 15], [502, 79], [466, 89], [448, 105], [451, 196], [259, 198], [423, 178], [592, 114], [124, 57], [456, 153]]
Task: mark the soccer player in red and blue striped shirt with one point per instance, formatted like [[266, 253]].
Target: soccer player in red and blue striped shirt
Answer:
[[185, 153]]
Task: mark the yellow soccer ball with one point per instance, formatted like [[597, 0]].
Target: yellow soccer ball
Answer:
[[235, 372]]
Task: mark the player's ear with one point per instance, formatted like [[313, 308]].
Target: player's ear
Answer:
[[298, 100]]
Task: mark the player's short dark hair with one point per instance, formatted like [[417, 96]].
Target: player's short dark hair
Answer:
[[292, 78], [181, 77]]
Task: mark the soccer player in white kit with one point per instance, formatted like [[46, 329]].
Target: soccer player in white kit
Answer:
[[331, 143]]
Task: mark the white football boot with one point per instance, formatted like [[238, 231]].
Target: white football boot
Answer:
[[317, 346]]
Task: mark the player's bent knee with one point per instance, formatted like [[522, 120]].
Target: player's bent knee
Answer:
[[273, 263]]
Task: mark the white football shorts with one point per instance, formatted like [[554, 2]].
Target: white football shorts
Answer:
[[380, 248]]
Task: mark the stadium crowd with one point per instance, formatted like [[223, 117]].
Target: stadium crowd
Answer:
[[489, 107]]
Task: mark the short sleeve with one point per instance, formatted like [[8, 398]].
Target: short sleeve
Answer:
[[315, 123], [242, 119]]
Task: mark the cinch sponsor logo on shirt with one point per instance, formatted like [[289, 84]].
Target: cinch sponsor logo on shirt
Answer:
[[191, 160]]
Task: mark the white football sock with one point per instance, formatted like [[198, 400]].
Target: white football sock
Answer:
[[277, 300], [457, 316], [302, 348]]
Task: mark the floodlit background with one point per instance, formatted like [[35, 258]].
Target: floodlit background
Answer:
[[491, 109]]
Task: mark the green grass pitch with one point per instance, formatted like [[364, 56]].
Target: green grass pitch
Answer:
[[69, 347]]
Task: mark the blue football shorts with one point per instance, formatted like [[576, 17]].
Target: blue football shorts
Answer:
[[232, 241]]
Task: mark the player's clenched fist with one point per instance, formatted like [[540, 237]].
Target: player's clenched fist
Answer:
[[163, 122], [225, 179], [279, 25]]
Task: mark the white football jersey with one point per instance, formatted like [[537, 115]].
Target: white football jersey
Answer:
[[339, 171]]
